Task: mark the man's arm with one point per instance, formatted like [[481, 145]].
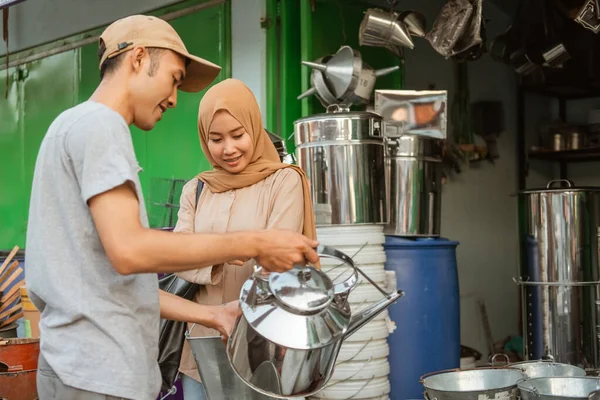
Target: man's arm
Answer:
[[221, 318], [132, 248]]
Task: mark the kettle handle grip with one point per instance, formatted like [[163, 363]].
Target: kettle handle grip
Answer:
[[352, 281]]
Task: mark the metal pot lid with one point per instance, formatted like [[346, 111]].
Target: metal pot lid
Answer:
[[340, 115], [567, 186], [303, 290]]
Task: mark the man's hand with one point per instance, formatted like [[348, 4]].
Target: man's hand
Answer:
[[225, 318], [279, 251]]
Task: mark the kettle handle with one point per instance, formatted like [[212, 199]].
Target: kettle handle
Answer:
[[352, 281]]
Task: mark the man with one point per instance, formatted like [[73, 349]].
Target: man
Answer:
[[91, 259]]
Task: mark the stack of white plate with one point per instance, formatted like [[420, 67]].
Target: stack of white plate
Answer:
[[362, 367]]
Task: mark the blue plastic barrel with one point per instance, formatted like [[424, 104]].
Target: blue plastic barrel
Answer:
[[427, 318]]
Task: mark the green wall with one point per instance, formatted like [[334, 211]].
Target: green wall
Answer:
[[40, 90]]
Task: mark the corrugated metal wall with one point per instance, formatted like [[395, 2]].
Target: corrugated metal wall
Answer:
[[40, 90]]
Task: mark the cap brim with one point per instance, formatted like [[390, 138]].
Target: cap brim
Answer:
[[199, 74]]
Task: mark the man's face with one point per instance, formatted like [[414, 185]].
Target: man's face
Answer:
[[153, 86]]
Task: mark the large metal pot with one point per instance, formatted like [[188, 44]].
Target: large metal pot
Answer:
[[474, 384], [413, 185], [560, 313], [218, 378], [558, 388], [293, 325], [342, 154]]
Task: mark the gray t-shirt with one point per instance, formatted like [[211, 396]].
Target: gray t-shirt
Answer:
[[99, 329]]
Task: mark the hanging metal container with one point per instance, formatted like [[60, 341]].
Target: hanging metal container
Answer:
[[560, 291], [342, 154]]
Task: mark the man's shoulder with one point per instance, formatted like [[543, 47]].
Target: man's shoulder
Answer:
[[91, 114], [89, 122]]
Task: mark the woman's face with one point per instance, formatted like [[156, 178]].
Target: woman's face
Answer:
[[228, 143]]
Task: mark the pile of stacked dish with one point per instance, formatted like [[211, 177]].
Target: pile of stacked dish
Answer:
[[362, 367]]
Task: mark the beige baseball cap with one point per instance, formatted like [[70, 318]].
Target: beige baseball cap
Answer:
[[143, 30]]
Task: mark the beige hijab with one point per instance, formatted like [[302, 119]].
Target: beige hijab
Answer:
[[237, 99]]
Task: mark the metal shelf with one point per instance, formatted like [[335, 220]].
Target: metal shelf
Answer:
[[566, 156]]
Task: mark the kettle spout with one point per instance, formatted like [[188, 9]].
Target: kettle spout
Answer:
[[361, 318]]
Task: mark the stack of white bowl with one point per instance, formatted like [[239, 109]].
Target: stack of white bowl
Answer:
[[362, 367]]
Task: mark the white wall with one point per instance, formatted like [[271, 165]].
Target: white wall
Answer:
[[249, 48]]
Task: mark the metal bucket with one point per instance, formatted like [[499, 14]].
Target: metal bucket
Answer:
[[558, 388], [219, 379], [475, 384], [547, 369], [560, 314]]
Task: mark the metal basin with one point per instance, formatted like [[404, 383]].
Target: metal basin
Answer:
[[547, 369], [486, 383], [558, 388], [219, 379]]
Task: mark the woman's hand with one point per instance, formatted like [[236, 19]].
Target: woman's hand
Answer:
[[237, 263], [225, 318]]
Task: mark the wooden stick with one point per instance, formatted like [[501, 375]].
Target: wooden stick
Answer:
[[16, 288], [10, 280], [9, 258], [10, 270], [9, 300], [11, 310], [11, 319]]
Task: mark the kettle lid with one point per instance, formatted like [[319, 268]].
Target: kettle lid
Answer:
[[303, 290]]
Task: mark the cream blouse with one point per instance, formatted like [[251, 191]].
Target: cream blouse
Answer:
[[275, 202]]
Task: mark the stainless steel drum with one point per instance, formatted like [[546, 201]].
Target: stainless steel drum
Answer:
[[560, 311], [413, 185], [342, 154], [219, 379]]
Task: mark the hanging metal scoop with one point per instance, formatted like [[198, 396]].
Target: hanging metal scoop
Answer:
[[382, 29]]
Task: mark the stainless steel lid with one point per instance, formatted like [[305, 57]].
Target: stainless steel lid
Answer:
[[339, 126], [567, 187], [304, 290], [421, 147]]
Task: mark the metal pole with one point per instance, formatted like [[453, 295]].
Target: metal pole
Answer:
[[306, 52]]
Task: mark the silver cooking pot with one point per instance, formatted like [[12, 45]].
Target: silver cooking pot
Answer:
[[292, 327]]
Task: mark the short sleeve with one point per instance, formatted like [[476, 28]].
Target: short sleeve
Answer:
[[187, 209], [100, 149], [287, 202]]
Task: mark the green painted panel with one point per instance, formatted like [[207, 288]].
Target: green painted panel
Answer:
[[49, 89], [12, 215], [39, 91]]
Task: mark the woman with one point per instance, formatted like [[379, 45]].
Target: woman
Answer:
[[248, 188]]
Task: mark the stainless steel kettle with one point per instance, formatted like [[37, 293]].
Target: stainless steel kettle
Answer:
[[287, 340]]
